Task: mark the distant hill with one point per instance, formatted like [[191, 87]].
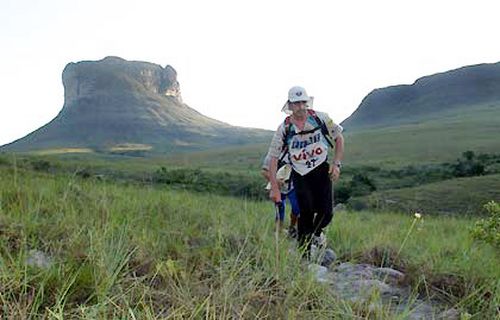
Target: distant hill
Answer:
[[120, 106], [405, 138], [465, 90]]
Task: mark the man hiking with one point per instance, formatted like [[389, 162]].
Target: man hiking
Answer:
[[287, 191], [304, 137]]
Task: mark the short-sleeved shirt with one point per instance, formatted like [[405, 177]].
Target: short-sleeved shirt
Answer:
[[306, 151]]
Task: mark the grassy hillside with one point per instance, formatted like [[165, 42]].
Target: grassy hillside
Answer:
[[138, 251], [467, 87], [236, 172], [460, 195], [409, 156], [437, 140], [440, 139], [242, 158]]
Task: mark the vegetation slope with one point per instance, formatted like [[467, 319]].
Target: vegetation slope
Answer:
[[121, 249]]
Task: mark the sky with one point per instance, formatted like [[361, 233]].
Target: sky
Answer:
[[236, 60]]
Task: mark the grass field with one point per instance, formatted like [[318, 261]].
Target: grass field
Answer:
[[123, 245], [460, 195], [442, 139], [129, 250], [425, 186], [430, 141]]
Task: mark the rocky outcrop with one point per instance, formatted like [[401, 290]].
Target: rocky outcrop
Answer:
[[115, 105], [84, 79], [380, 289]]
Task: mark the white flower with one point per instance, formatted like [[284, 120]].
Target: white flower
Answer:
[[418, 215]]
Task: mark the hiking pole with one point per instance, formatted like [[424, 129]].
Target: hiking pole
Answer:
[[333, 196], [276, 234]]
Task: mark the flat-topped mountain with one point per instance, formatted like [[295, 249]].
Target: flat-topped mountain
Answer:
[[467, 89], [114, 104]]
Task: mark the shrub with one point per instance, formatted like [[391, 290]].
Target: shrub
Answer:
[[342, 192], [83, 173], [361, 185], [3, 160], [40, 165], [218, 183], [488, 230], [469, 166], [358, 204]]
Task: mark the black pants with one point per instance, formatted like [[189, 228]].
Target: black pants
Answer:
[[314, 195]]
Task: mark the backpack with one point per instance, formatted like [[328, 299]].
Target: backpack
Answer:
[[289, 135]]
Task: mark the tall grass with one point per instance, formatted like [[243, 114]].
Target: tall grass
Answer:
[[437, 255], [128, 251]]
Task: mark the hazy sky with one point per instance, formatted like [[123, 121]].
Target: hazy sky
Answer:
[[237, 59]]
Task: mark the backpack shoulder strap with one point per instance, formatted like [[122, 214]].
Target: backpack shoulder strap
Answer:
[[322, 125], [288, 134], [287, 124]]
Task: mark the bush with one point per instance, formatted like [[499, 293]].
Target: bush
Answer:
[[488, 230], [3, 160], [83, 173], [218, 183], [361, 185], [358, 204], [342, 192], [469, 166], [40, 165]]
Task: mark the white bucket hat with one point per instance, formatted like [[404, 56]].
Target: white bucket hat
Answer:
[[297, 94]]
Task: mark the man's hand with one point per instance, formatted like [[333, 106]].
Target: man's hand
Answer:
[[334, 172], [275, 194]]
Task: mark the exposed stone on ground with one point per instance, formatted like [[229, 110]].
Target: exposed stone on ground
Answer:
[[377, 288], [324, 257], [38, 259], [339, 207], [389, 275], [320, 272], [328, 257], [358, 283], [450, 314]]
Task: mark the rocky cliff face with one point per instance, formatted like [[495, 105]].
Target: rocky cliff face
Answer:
[[114, 102], [84, 79]]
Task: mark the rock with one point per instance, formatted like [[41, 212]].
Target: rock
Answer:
[[129, 107], [320, 272], [377, 289], [339, 207], [362, 290], [371, 286], [324, 257], [83, 79], [354, 271], [38, 259], [389, 275], [450, 314], [328, 257], [421, 311]]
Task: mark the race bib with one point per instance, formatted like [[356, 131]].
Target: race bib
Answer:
[[307, 151]]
